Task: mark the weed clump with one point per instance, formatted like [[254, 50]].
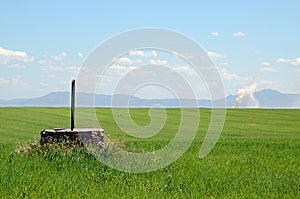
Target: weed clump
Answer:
[[35, 148]]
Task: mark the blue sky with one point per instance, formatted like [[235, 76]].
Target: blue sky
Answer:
[[44, 43]]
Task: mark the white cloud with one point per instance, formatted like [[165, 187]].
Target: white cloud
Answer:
[[228, 76], [224, 64], [158, 62], [143, 53], [80, 55], [283, 60], [123, 67], [268, 69], [4, 81], [61, 56], [50, 76], [121, 70], [16, 66], [184, 55], [265, 64], [126, 60], [15, 80], [211, 68], [73, 69], [44, 62], [214, 55], [43, 84], [9, 55], [296, 62], [54, 68], [186, 69], [292, 62], [238, 34], [215, 34]]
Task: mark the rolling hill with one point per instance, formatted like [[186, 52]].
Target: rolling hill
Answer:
[[266, 98]]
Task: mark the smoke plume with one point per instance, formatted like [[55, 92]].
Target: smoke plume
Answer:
[[246, 94]]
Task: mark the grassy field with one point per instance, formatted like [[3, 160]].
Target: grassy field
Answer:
[[257, 156]]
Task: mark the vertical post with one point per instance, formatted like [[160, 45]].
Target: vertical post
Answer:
[[72, 104]]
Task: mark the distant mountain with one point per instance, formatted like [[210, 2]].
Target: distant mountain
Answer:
[[51, 99], [272, 98], [267, 98]]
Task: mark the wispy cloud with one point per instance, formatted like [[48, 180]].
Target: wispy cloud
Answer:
[[227, 75], [4, 81], [265, 64], [9, 55], [214, 55], [16, 66], [43, 84], [225, 64], [292, 62], [215, 34], [53, 69], [238, 34], [70, 69], [45, 62], [184, 55], [15, 80], [120, 70], [51, 76], [126, 60], [143, 53], [60, 57], [80, 55], [158, 62], [268, 69], [186, 69]]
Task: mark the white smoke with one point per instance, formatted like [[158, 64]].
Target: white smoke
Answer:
[[246, 93]]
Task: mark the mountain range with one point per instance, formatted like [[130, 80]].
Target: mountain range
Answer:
[[266, 98]]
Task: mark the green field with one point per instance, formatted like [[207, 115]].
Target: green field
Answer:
[[257, 156]]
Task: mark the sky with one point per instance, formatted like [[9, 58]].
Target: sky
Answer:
[[44, 43]]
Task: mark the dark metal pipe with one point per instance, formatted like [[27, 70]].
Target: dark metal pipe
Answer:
[[72, 104]]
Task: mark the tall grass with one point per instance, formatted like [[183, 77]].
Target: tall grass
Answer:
[[258, 155]]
